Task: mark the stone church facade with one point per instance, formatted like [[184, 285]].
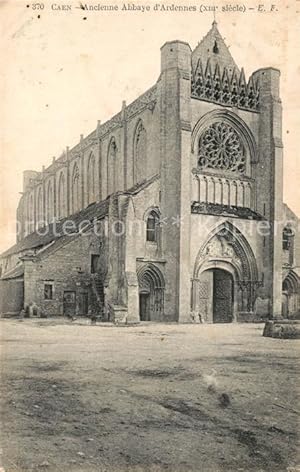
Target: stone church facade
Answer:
[[170, 211]]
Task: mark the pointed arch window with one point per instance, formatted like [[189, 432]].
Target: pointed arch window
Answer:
[[112, 166], [288, 245], [91, 180], [39, 206], [31, 213], [152, 227], [140, 152], [50, 212], [75, 189], [287, 238], [61, 196]]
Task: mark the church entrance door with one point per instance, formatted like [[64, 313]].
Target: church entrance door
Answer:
[[151, 293], [145, 306], [215, 296], [222, 296]]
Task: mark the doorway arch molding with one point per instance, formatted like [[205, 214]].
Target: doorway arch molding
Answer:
[[290, 293], [210, 266], [149, 273], [241, 258], [221, 264], [291, 282], [151, 293]]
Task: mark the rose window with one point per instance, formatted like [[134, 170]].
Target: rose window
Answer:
[[220, 148]]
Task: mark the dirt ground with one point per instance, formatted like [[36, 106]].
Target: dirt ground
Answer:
[[153, 397]]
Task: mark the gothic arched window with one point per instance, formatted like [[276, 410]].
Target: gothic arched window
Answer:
[[287, 238], [61, 209], [288, 245], [31, 213], [140, 152], [39, 207], [91, 180], [112, 167], [152, 227], [220, 148], [50, 212], [75, 190]]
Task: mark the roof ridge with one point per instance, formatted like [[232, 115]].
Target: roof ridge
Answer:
[[34, 239]]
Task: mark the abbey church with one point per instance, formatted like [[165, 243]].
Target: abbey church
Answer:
[[170, 211]]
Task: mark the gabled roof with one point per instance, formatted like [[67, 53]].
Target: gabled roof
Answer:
[[54, 231], [213, 48], [16, 272], [142, 185]]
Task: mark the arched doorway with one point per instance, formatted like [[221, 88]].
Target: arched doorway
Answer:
[[225, 277], [216, 296], [151, 293], [290, 295]]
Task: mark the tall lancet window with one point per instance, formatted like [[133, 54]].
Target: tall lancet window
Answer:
[[112, 167], [75, 190], [31, 213], [91, 180], [61, 207], [140, 153], [50, 203], [39, 208], [152, 227]]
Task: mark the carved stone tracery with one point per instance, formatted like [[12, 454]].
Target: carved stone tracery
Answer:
[[228, 247], [220, 247], [226, 87], [220, 148]]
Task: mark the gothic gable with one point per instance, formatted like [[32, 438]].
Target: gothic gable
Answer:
[[216, 77], [226, 243], [213, 47]]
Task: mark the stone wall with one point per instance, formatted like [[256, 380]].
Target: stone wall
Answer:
[[11, 296], [66, 268], [42, 199], [162, 127]]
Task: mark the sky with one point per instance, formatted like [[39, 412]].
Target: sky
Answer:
[[61, 73]]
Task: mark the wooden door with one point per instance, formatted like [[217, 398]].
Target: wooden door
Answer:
[[69, 303], [222, 297], [83, 304], [145, 306]]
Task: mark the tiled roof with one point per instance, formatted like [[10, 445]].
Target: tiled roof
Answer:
[[54, 231], [16, 272], [142, 185]]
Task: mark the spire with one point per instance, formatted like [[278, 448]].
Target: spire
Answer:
[[214, 23]]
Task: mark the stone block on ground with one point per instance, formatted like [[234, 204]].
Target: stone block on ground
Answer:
[[282, 329]]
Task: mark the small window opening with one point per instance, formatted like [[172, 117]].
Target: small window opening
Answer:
[[287, 239], [48, 292], [152, 227], [94, 263]]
